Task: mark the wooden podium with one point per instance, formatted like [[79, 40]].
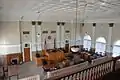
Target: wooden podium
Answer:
[[51, 58]]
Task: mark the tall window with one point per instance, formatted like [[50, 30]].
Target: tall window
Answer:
[[100, 44], [116, 49], [87, 41]]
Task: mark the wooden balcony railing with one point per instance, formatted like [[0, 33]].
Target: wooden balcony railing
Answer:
[[85, 71]]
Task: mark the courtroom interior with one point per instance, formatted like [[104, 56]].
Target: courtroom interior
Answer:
[[59, 39]]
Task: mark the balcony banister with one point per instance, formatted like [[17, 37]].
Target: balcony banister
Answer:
[[97, 69]]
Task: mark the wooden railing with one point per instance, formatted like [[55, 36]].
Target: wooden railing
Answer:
[[85, 71]]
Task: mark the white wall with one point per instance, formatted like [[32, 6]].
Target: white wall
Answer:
[[10, 38], [116, 33]]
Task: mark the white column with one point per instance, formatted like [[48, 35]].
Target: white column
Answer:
[[93, 35], [109, 43], [33, 44], [72, 35], [62, 35], [58, 35], [20, 30], [39, 32], [33, 38], [81, 34]]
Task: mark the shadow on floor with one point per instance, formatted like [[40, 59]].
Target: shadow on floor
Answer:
[[112, 76]]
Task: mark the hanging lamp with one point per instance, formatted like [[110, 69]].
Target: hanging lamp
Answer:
[[76, 48]]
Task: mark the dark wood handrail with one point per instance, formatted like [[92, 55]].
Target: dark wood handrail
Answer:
[[108, 66]]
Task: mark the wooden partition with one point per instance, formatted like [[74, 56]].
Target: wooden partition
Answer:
[[50, 57], [85, 71]]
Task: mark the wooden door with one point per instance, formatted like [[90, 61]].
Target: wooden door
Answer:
[[26, 54]]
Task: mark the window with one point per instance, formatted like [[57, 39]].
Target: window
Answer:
[[100, 44], [87, 41], [116, 49]]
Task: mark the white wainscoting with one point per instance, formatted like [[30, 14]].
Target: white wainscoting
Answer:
[[9, 48]]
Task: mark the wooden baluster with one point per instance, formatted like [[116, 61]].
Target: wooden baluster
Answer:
[[98, 76], [98, 72], [81, 75], [66, 78], [74, 76], [95, 73], [87, 74], [90, 75], [84, 74], [70, 77], [105, 68], [108, 67], [78, 76], [111, 66], [102, 70]]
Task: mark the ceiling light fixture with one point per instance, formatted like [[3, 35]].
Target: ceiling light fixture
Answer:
[[103, 3]]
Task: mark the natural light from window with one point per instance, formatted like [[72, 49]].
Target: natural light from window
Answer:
[[116, 48], [100, 44], [87, 41]]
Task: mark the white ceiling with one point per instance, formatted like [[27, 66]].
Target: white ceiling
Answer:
[[60, 10]]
